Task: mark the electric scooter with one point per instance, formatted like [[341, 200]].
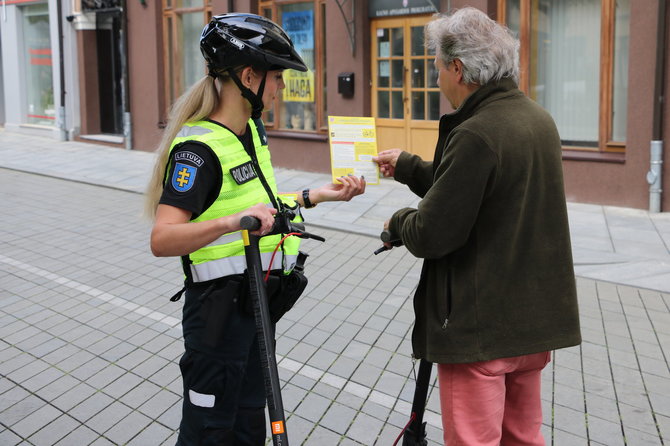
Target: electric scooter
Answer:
[[259, 299], [414, 433]]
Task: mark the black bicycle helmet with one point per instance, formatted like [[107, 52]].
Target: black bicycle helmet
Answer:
[[235, 40], [240, 39]]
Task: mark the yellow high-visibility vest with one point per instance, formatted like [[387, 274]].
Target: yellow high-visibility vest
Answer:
[[240, 189]]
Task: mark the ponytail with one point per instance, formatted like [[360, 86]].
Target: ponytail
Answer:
[[197, 103]]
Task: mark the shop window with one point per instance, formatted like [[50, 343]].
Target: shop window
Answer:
[[574, 62], [37, 63], [183, 21], [301, 106], [620, 71]]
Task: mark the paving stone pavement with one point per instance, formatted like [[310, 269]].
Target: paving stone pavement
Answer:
[[620, 245], [90, 343]]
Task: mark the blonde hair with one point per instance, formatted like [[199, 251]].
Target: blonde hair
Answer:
[[195, 104]]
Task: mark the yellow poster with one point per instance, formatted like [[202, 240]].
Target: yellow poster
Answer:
[[353, 143], [299, 86]]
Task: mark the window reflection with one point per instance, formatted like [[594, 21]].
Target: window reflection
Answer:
[[38, 65], [383, 73], [398, 41], [417, 41], [383, 42], [383, 106], [397, 73], [433, 105], [620, 71], [298, 99], [565, 67], [397, 105], [418, 73], [418, 105]]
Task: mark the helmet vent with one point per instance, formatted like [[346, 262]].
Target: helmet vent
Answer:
[[274, 47], [244, 34], [259, 21]]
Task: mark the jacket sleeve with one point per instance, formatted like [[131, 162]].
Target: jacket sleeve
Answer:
[[446, 215], [414, 172]]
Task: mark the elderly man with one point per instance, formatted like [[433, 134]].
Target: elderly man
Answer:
[[497, 291]]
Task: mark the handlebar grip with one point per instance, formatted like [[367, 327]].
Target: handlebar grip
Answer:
[[380, 250], [250, 223], [385, 236]]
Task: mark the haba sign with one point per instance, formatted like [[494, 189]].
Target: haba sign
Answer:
[[299, 86], [388, 8], [299, 25]]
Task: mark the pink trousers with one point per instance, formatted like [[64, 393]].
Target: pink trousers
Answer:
[[492, 403]]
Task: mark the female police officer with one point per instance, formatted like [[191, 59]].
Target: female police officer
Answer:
[[213, 168]]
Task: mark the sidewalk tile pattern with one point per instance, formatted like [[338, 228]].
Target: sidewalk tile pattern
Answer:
[[89, 343]]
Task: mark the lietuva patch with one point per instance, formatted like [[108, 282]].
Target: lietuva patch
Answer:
[[243, 173], [189, 156]]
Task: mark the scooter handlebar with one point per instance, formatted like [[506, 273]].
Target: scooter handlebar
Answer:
[[386, 237], [251, 223]]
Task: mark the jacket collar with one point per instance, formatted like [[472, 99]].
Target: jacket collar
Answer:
[[483, 95]]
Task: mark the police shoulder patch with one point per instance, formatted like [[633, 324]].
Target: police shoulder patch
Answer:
[[243, 173], [183, 177], [189, 156]]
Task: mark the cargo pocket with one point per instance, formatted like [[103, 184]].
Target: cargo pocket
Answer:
[[211, 392], [216, 305]]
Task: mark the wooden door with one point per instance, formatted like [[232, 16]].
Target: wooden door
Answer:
[[405, 94]]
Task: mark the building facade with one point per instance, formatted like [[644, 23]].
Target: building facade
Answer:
[[108, 70]]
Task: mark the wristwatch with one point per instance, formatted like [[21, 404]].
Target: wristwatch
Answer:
[[305, 199]]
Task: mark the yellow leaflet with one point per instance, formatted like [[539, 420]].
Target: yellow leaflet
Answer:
[[353, 143]]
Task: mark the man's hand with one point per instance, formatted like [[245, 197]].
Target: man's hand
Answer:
[[388, 245], [387, 160]]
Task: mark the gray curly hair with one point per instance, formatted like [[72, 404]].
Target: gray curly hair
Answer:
[[488, 50]]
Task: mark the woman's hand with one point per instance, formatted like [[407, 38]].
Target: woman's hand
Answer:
[[263, 213], [387, 160], [348, 188]]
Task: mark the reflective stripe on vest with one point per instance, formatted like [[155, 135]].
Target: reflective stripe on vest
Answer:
[[237, 265], [226, 238], [225, 255]]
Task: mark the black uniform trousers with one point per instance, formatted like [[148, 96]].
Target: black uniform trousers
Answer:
[[224, 394]]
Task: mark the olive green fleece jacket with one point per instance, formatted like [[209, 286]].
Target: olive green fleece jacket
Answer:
[[492, 228]]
